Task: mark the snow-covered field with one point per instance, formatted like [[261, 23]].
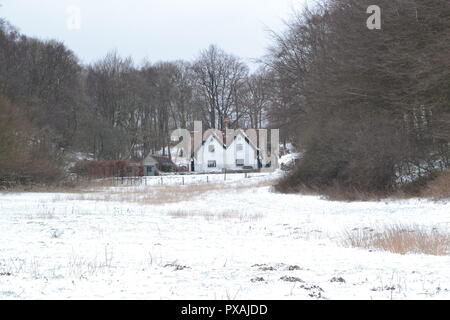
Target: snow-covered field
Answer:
[[238, 240]]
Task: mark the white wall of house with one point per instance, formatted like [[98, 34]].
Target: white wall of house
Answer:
[[241, 154], [211, 152]]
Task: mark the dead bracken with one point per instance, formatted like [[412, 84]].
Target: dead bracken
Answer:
[[291, 279], [337, 279]]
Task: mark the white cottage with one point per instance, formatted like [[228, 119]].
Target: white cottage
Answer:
[[214, 156]]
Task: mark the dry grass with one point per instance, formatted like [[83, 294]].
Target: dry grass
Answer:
[[154, 195], [227, 215], [401, 239], [439, 188], [84, 187], [157, 195], [334, 193], [434, 186]]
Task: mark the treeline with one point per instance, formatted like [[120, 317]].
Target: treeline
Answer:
[[113, 109], [370, 107]]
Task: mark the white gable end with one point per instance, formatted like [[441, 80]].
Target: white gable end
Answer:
[[210, 156], [240, 154]]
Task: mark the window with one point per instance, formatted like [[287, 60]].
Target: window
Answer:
[[239, 162], [211, 148], [212, 164], [181, 153], [240, 147], [150, 170]]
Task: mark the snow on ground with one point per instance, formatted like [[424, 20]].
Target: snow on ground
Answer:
[[288, 158], [237, 241]]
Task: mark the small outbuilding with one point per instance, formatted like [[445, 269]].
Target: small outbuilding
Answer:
[[154, 164]]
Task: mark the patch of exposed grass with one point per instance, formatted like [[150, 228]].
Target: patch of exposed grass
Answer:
[[400, 239], [439, 188], [159, 195], [82, 187], [227, 215], [331, 192]]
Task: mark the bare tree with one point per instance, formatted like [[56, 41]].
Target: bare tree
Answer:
[[257, 98], [220, 77]]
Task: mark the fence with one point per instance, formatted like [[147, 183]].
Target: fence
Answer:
[[184, 179]]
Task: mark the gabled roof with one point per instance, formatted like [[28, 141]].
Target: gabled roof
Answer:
[[236, 133], [214, 135], [244, 135]]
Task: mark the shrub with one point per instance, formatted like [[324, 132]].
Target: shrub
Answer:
[[439, 187], [341, 170], [167, 168], [106, 169]]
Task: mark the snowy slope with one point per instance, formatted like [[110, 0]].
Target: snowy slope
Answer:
[[236, 242]]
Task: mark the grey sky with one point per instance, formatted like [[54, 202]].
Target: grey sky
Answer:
[[153, 29]]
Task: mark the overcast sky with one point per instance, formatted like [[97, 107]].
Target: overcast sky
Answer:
[[152, 29]]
